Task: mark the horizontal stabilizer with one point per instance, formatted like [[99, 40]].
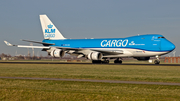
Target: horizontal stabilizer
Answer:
[[39, 42]]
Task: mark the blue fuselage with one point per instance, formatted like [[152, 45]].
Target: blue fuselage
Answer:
[[151, 42]]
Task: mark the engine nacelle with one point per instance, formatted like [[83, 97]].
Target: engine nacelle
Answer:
[[142, 58], [95, 56], [57, 53]]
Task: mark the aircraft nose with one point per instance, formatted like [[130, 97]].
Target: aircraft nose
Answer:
[[173, 46], [167, 46]]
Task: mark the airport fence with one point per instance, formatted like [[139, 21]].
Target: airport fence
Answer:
[[172, 60]]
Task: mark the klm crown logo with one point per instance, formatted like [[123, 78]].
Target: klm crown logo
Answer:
[[50, 26], [50, 33]]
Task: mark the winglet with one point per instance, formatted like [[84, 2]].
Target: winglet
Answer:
[[8, 44]]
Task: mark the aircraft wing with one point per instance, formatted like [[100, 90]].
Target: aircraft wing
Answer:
[[109, 52], [105, 52], [45, 47], [24, 46]]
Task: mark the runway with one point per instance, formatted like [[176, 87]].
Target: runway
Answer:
[[89, 63], [101, 81]]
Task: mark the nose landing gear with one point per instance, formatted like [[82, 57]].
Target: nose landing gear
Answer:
[[157, 61]]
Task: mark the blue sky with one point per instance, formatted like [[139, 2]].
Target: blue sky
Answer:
[[19, 19]]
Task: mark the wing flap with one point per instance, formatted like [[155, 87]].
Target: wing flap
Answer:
[[109, 52], [105, 52], [23, 46]]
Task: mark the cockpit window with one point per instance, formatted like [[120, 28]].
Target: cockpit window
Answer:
[[161, 37]]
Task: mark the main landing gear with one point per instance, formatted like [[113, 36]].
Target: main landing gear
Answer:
[[100, 62], [118, 60], [157, 61], [105, 61]]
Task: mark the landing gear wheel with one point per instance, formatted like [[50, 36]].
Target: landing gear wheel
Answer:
[[118, 61], [105, 61], [156, 62], [96, 61]]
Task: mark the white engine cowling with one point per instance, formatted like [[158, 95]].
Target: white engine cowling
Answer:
[[57, 53], [95, 56]]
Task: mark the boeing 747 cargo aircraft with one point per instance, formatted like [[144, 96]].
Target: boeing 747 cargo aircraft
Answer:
[[140, 47]]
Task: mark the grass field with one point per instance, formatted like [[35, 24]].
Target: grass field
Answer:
[[66, 90], [90, 71], [16, 90]]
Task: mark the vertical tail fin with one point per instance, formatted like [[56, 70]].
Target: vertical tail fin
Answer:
[[49, 29]]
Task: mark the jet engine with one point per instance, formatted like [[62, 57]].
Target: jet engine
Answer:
[[95, 56], [142, 58], [57, 53]]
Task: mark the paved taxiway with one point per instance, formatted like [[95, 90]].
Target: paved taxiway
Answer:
[[102, 81], [89, 63]]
